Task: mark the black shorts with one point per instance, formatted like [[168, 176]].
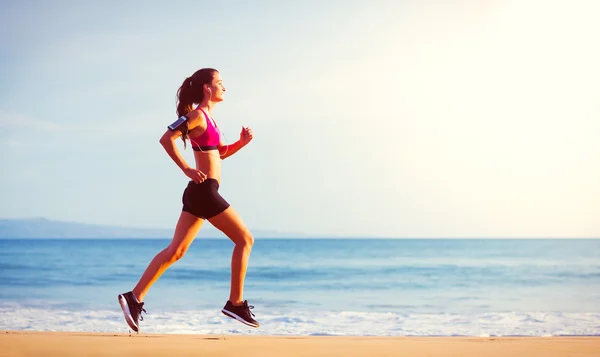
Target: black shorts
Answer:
[[203, 199]]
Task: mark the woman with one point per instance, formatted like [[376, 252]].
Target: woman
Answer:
[[201, 199]]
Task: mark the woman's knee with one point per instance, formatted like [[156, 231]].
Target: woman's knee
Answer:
[[175, 253], [246, 239]]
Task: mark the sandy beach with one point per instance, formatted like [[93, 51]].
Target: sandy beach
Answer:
[[55, 344]]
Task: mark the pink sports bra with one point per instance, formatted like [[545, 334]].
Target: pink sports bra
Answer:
[[210, 139]]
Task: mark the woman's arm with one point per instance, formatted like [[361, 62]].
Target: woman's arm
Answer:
[[173, 132], [227, 150], [168, 143]]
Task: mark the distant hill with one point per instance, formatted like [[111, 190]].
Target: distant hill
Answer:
[[45, 228]]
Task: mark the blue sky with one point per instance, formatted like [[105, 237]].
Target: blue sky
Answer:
[[383, 118]]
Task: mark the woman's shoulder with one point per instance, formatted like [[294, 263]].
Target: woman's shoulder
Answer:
[[196, 118]]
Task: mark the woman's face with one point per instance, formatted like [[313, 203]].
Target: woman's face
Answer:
[[217, 89]]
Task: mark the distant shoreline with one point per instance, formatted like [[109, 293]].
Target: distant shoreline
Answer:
[[42, 228]]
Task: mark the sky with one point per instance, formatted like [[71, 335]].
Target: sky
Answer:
[[408, 119]]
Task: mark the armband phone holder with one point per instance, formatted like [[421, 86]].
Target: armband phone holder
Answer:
[[177, 123]]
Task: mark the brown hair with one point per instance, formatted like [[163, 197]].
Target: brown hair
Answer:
[[191, 92]]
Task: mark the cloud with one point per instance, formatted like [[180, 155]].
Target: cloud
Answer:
[[11, 143], [21, 121]]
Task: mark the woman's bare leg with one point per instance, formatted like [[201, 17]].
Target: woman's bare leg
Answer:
[[230, 223], [186, 230]]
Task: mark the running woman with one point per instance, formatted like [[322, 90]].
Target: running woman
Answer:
[[201, 200]]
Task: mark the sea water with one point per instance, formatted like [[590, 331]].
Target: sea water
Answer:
[[381, 287]]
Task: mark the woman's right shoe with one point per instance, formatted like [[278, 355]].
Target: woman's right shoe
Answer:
[[241, 313]]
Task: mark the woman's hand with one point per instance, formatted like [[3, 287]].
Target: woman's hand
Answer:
[[196, 175], [246, 135]]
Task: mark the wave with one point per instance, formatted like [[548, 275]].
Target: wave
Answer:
[[306, 323]]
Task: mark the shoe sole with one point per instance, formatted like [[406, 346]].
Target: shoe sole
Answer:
[[236, 317], [127, 313]]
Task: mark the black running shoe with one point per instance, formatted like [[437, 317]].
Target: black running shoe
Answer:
[[131, 309], [241, 313]]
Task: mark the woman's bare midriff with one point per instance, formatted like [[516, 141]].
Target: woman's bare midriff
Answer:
[[209, 162]]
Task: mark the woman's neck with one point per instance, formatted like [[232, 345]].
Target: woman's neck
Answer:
[[207, 106]]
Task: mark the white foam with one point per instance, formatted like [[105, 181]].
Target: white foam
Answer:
[[316, 323]]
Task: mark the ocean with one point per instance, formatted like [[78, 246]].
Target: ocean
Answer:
[[312, 287]]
